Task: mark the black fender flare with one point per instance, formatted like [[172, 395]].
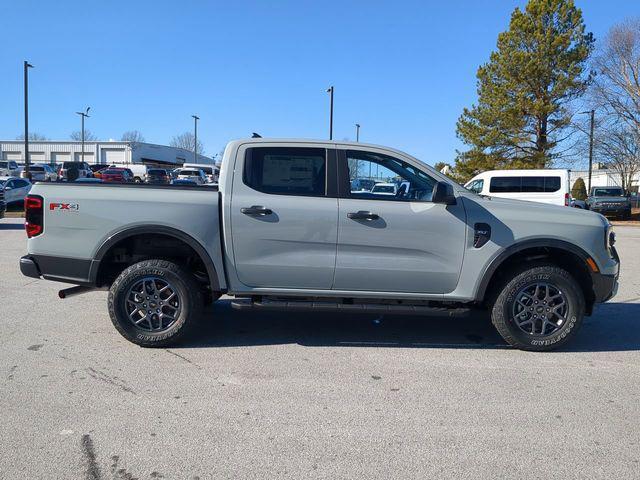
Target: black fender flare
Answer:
[[154, 229], [493, 266]]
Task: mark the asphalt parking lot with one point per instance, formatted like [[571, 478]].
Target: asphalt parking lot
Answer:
[[311, 396]]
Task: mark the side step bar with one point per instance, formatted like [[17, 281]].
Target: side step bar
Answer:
[[328, 306]]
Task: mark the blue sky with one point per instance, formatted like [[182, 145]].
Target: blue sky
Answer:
[[403, 70]]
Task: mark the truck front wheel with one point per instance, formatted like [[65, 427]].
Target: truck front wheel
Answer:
[[540, 308], [154, 303]]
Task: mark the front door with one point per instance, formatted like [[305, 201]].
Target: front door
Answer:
[[394, 239], [284, 216]]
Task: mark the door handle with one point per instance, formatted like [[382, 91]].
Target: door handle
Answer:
[[256, 210], [363, 215]]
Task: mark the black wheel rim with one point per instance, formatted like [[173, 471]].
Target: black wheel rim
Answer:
[[153, 304], [540, 309]]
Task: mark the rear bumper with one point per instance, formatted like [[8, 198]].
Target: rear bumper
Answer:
[[60, 269]]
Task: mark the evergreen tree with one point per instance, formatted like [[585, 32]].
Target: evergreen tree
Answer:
[[579, 190], [525, 88]]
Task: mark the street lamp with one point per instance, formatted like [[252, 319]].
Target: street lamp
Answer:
[[27, 172], [592, 114], [357, 132], [195, 137], [330, 91], [83, 115]]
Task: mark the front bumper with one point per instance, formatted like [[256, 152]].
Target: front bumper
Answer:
[[617, 210], [605, 286]]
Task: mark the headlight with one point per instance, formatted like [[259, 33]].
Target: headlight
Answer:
[[609, 237]]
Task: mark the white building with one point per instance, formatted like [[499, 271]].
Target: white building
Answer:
[[110, 152], [601, 177]]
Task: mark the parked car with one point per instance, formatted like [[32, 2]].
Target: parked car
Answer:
[[9, 168], [544, 186], [575, 203], [42, 173], [184, 181], [97, 168], [157, 175], [609, 201], [362, 184], [211, 171], [385, 189], [14, 189], [284, 231], [196, 175], [72, 170], [116, 174]]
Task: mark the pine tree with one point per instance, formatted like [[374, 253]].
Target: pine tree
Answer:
[[523, 91]]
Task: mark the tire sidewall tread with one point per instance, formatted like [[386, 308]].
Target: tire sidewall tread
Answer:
[[189, 292], [501, 309]]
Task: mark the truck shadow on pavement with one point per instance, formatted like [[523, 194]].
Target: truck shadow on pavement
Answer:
[[614, 327]]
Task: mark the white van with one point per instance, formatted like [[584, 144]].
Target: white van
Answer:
[[544, 186]]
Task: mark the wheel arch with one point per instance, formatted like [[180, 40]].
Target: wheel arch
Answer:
[[563, 253], [217, 284]]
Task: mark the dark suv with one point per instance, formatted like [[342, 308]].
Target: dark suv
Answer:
[[609, 201]]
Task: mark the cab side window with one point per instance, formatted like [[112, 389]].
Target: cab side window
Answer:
[[376, 176], [286, 170]]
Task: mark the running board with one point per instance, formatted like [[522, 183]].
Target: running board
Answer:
[[325, 306]]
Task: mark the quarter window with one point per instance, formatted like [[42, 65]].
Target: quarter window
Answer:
[[286, 171]]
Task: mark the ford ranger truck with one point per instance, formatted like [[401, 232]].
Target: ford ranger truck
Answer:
[[284, 230]]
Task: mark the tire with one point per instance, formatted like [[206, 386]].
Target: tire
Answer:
[[516, 298], [137, 180], [175, 321]]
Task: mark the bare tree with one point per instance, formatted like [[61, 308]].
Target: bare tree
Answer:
[[186, 140], [616, 95], [620, 146], [617, 86], [88, 136], [33, 137], [133, 136]]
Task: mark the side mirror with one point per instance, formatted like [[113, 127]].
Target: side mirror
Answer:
[[443, 193]]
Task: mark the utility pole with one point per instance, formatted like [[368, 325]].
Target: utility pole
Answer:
[[591, 150], [27, 172], [330, 91], [83, 115], [357, 132], [195, 137]]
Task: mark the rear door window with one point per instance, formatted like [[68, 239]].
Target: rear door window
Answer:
[[286, 170]]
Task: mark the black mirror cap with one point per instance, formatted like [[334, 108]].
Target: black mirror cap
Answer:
[[443, 193]]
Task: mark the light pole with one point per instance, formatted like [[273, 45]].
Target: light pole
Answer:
[[83, 115], [27, 172], [195, 137], [592, 113], [357, 132], [330, 91]]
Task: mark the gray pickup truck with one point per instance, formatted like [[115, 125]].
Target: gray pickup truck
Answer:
[[285, 230], [610, 201]]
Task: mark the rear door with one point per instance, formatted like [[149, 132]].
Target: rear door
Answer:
[[399, 243], [284, 216]]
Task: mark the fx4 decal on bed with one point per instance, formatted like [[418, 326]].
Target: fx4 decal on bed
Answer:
[[68, 207]]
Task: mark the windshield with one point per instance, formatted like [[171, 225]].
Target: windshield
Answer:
[[4, 164], [190, 173], [37, 169], [156, 171], [608, 192], [2, 182], [68, 165]]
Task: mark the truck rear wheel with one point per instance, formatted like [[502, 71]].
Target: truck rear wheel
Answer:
[[155, 303], [540, 308]]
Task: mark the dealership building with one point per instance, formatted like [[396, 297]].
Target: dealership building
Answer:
[[111, 152]]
